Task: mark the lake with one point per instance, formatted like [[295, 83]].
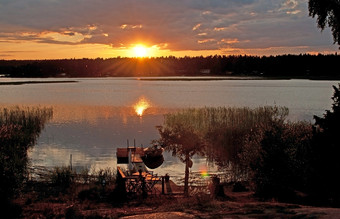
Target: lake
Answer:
[[94, 116]]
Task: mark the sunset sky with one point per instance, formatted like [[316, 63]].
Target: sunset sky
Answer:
[[54, 29]]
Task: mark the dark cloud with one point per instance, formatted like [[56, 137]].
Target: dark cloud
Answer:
[[179, 24]]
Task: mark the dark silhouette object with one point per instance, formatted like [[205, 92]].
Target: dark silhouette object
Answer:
[[328, 13], [216, 188], [153, 156], [120, 184], [92, 194], [72, 212], [167, 184], [239, 187], [153, 162], [325, 164]]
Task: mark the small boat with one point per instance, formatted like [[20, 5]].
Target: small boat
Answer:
[[153, 156], [137, 157]]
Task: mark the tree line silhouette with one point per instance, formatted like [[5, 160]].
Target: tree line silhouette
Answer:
[[300, 66]]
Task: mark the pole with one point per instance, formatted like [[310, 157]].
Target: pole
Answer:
[[162, 185], [71, 161]]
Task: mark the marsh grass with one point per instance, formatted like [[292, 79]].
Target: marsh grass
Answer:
[[62, 177], [215, 132], [19, 130], [223, 129]]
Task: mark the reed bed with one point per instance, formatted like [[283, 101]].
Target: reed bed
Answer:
[[19, 130], [82, 176], [223, 129], [29, 121], [208, 118]]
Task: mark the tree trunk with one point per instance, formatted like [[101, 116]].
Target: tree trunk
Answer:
[[186, 178]]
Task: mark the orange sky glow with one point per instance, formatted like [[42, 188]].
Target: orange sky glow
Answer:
[[40, 29]]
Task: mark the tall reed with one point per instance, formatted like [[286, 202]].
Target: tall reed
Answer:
[[19, 130], [223, 128]]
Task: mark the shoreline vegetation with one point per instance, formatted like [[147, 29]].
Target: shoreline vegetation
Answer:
[[87, 198], [278, 168], [19, 130]]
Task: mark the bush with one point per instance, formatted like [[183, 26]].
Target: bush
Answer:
[[277, 158], [19, 130], [62, 177], [92, 194], [73, 212], [84, 175], [105, 176], [239, 187]]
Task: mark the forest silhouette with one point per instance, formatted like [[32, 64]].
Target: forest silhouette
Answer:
[[292, 66]]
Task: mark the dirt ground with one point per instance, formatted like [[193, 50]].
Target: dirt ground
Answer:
[[173, 206]]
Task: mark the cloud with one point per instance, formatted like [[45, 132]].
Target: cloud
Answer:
[[178, 24], [196, 27]]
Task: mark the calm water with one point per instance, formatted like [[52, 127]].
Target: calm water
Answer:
[[95, 116]]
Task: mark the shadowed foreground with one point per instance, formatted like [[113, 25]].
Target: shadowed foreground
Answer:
[[106, 205]]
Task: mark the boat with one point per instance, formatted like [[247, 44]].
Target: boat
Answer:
[[153, 156], [138, 158]]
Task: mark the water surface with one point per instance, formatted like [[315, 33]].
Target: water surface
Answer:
[[96, 115]]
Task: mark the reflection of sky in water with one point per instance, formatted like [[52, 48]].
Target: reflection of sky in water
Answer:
[[97, 131], [92, 135], [95, 116]]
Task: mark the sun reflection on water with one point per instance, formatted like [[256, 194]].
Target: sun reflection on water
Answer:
[[142, 105]]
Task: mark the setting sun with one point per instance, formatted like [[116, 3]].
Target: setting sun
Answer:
[[140, 51]]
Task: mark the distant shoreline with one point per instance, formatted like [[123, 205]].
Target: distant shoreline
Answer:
[[199, 78], [221, 78], [34, 82], [177, 78]]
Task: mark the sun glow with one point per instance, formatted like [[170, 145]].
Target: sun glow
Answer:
[[140, 51], [141, 106], [204, 172]]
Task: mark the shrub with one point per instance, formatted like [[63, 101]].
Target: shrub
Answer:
[[62, 177], [89, 194], [106, 176], [277, 157], [19, 130], [84, 175], [73, 212], [239, 187]]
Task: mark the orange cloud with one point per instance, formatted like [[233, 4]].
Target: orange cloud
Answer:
[[230, 41], [219, 28], [206, 41], [129, 26], [196, 26]]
